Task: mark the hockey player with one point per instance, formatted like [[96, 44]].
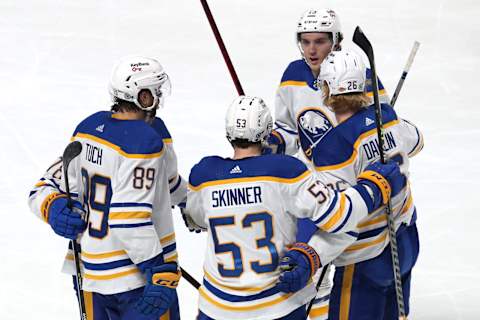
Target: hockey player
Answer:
[[126, 180], [250, 203], [363, 283], [301, 118]]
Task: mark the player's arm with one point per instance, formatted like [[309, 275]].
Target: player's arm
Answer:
[[412, 138], [46, 189], [193, 214], [48, 202], [382, 92], [340, 211], [177, 185], [283, 138]]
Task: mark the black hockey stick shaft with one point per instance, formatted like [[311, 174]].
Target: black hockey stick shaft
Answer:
[[190, 278], [361, 40], [411, 57], [322, 275], [222, 47], [71, 151]]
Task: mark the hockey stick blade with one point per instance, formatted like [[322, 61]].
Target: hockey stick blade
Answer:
[[71, 152], [361, 40]]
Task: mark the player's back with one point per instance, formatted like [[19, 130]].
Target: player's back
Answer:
[[120, 168], [347, 150], [248, 229]]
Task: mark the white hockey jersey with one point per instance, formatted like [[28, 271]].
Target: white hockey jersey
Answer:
[[301, 118], [250, 207], [127, 179], [346, 150]]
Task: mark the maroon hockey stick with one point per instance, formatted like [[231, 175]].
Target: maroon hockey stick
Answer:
[[222, 47]]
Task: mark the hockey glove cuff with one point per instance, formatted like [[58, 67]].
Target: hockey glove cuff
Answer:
[[297, 267], [160, 290]]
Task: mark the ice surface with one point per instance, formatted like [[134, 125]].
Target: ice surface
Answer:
[[55, 61]]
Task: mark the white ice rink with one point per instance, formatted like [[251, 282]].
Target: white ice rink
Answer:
[[55, 61]]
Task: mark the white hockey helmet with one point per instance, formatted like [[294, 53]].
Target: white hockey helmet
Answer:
[[248, 118], [134, 73], [319, 20], [344, 72]]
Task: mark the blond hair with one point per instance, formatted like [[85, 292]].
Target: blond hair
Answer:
[[348, 102]]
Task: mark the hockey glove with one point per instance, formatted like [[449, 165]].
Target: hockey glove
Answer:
[[297, 267], [191, 225], [66, 222], [159, 292], [275, 144], [383, 180]]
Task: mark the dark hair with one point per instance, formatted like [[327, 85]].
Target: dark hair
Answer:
[[127, 106], [244, 143]]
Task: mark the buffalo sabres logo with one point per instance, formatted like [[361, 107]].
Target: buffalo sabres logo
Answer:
[[312, 125]]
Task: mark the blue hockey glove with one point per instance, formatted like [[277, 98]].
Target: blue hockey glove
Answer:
[[297, 267], [66, 222], [274, 144], [159, 292], [384, 180]]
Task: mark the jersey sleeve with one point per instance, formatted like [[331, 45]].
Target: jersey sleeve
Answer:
[[177, 185], [194, 200], [133, 206], [411, 137], [46, 189], [332, 211], [329, 246], [382, 92], [285, 123]]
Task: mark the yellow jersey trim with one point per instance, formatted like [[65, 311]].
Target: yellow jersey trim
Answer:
[[346, 292], [380, 92], [243, 308], [317, 312], [359, 246], [249, 179], [168, 238], [247, 289], [111, 276], [293, 83], [129, 215], [337, 215], [103, 255], [117, 148]]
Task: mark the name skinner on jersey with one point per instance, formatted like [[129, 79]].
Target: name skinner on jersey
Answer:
[[93, 154], [236, 196]]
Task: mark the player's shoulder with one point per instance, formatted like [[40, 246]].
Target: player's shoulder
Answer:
[[339, 145], [297, 73], [265, 167], [161, 128], [128, 137]]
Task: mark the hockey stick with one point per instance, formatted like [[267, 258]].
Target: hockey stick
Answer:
[[71, 151], [361, 40], [222, 47], [190, 278], [416, 44], [322, 275]]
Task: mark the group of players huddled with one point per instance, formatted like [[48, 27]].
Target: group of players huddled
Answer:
[[297, 196]]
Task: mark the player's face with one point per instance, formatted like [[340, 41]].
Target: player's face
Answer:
[[316, 46], [145, 98]]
